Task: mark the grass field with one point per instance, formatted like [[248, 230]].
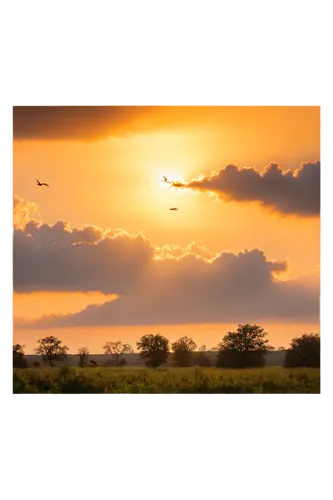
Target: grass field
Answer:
[[269, 380]]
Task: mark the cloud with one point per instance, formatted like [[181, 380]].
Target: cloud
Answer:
[[287, 192], [59, 258], [168, 251], [154, 284], [22, 211], [99, 122], [71, 122]]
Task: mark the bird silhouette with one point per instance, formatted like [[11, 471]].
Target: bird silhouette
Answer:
[[42, 183], [174, 208], [166, 180]]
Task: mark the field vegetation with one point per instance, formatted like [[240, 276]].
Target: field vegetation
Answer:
[[188, 380]]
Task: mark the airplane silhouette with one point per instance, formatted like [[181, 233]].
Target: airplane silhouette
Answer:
[[174, 208], [42, 183]]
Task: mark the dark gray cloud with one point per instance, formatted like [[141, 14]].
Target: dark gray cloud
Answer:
[[72, 122], [100, 122], [61, 258], [155, 284], [287, 192]]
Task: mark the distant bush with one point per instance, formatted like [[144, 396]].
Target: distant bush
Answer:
[[201, 359], [113, 363], [109, 362]]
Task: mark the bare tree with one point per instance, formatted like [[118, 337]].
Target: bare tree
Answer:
[[117, 350], [83, 352]]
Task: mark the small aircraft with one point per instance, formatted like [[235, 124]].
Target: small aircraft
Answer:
[[174, 208], [42, 183]]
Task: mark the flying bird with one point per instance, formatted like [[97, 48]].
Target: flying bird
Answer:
[[174, 208], [42, 183], [166, 180]]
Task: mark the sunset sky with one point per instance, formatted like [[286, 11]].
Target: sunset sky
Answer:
[[99, 256]]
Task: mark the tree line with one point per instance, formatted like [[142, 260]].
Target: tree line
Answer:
[[244, 348]]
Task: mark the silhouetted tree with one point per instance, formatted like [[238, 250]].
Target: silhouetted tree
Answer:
[[51, 349], [182, 351], [117, 350], [246, 347], [304, 351], [83, 352], [155, 349], [19, 359]]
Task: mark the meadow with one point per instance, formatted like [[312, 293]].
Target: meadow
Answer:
[[192, 380]]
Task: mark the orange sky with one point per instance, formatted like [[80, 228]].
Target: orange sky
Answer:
[[105, 172]]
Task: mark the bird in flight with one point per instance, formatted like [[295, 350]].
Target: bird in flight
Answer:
[[166, 180], [174, 208], [42, 183]]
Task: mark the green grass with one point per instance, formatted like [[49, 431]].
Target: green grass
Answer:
[[269, 380]]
